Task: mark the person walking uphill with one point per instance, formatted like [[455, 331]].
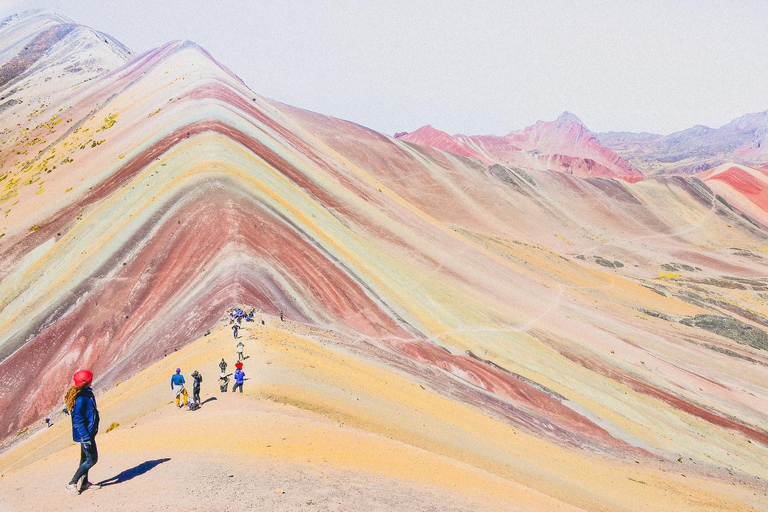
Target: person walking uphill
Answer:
[[177, 385], [239, 377], [240, 351], [85, 425]]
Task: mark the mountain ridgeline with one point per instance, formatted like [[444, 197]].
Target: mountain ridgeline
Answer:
[[566, 145]]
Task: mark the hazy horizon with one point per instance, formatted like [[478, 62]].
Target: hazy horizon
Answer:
[[473, 68]]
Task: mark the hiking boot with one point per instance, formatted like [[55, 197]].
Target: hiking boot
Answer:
[[72, 489], [88, 485]]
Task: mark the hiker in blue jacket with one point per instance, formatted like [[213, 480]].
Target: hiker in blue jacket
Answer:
[[85, 425], [239, 377], [177, 385]]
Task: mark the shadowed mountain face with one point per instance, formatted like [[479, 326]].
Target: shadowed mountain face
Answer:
[[141, 203]]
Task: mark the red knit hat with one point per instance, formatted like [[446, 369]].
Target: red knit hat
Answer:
[[239, 365], [82, 377]]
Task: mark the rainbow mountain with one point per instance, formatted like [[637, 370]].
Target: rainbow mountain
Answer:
[[142, 195]]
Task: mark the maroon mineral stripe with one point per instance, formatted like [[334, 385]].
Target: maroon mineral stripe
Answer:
[[591, 363], [504, 385], [224, 93], [120, 317]]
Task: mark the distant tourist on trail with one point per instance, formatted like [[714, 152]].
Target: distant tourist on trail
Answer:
[[235, 329], [281, 316], [196, 380], [239, 377], [249, 318], [240, 351], [231, 317], [223, 366], [85, 425], [223, 382], [177, 385]]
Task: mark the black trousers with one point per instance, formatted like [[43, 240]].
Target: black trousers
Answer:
[[89, 456], [236, 386]]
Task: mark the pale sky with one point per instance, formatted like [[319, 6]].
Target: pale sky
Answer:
[[471, 67]]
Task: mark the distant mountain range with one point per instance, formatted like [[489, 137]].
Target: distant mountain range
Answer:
[[744, 140], [566, 145]]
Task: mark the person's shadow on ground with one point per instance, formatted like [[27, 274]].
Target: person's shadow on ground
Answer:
[[133, 472], [208, 400]]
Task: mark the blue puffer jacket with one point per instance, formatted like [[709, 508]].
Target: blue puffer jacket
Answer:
[[85, 417], [177, 380], [239, 376]]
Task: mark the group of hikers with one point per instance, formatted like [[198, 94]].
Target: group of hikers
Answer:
[[180, 392], [81, 404], [236, 316], [239, 374]]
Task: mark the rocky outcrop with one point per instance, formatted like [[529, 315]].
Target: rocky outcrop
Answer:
[[730, 328]]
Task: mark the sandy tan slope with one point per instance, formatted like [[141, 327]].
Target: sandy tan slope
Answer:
[[332, 431]]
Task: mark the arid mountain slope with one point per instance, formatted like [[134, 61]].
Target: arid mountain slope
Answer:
[[322, 425], [599, 316]]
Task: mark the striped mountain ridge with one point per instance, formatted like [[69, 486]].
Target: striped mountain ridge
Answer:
[[141, 203]]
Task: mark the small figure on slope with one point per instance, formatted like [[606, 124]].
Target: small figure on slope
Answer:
[[196, 380], [177, 385], [223, 382], [239, 378]]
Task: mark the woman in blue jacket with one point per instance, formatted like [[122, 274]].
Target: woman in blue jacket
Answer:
[[85, 425]]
